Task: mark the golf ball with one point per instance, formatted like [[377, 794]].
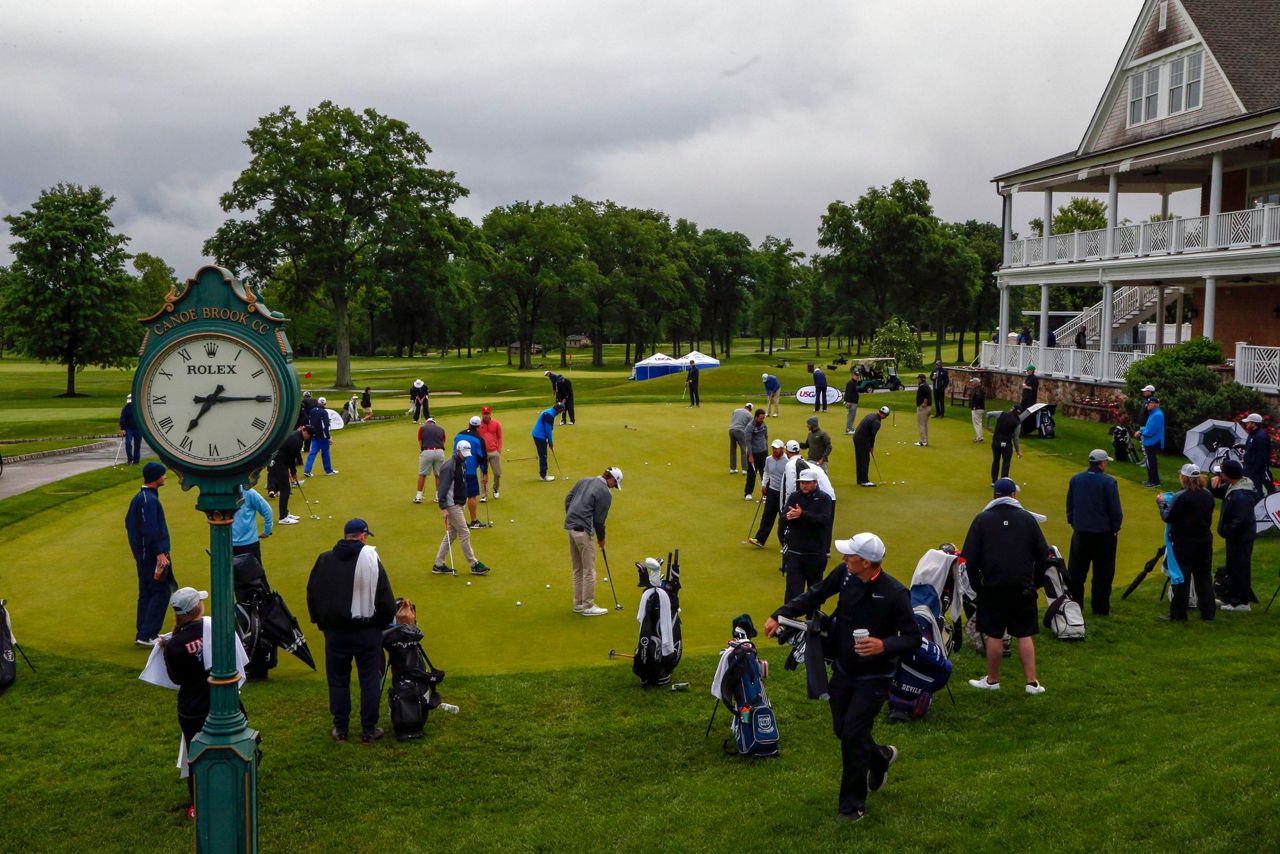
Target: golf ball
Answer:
[[513, 521], [518, 604], [330, 517], [548, 586], [468, 583]]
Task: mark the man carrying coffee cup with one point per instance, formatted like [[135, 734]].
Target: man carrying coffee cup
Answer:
[[873, 627]]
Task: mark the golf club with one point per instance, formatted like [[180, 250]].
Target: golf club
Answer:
[[614, 654], [449, 539], [879, 477], [488, 519], [559, 471], [310, 512], [752, 529], [617, 606], [118, 447], [1272, 602]]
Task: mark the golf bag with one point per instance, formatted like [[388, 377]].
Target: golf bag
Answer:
[[263, 621], [412, 694], [1121, 446], [936, 588], [8, 651], [739, 684], [977, 640], [660, 645], [1063, 617], [1222, 586]]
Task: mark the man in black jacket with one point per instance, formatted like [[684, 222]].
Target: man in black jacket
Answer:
[[1006, 553], [420, 399], [349, 599], [1030, 388], [819, 390], [851, 401], [873, 601], [184, 664], [129, 434], [1237, 527], [1095, 516], [692, 382], [941, 381], [924, 405], [562, 389], [1004, 442], [1257, 455], [864, 442], [808, 514], [282, 472]]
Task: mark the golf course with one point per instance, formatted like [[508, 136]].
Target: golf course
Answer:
[[1151, 736]]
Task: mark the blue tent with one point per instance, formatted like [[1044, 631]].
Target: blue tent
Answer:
[[657, 365]]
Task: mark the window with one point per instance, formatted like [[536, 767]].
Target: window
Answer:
[[1164, 16], [1184, 82], [1135, 98], [1153, 93], [1195, 63], [1175, 85]]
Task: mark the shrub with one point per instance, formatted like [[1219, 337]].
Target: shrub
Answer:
[[896, 339], [1189, 391]]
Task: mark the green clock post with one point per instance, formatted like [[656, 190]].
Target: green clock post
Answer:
[[217, 394]]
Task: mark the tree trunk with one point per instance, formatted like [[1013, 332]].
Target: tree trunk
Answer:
[[342, 336], [71, 380], [937, 341], [960, 346]]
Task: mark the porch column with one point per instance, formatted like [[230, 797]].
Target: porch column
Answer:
[[1160, 317], [1047, 231], [1104, 345], [1215, 199], [1113, 204], [1002, 338], [1210, 304], [1043, 357], [1164, 205], [1177, 333]]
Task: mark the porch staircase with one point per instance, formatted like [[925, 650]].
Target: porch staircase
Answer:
[[1130, 305]]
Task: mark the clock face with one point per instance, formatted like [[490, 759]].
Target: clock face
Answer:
[[210, 399]]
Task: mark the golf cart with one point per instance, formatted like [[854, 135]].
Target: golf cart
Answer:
[[877, 373]]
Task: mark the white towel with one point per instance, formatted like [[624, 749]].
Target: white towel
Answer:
[[1006, 499], [365, 584], [665, 633]]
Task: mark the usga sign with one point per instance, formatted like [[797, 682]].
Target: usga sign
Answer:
[[807, 395]]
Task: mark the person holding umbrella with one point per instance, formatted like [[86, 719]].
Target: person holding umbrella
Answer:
[[349, 598], [586, 509], [1189, 517]]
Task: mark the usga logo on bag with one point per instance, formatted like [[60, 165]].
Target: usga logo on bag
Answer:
[[808, 394]]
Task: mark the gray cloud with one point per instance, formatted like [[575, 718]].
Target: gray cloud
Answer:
[[740, 115]]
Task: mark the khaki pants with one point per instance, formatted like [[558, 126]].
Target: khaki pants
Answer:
[[977, 416], [771, 406], [457, 530], [582, 554], [922, 422], [495, 469]]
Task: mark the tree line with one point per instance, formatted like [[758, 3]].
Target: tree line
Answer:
[[340, 220]]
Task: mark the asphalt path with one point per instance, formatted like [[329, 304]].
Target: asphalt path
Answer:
[[20, 477]]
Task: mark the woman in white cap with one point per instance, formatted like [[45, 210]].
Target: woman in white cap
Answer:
[[873, 627]]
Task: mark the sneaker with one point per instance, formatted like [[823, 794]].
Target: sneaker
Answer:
[[441, 569], [733, 471], [852, 815], [921, 444], [755, 542], [339, 734], [549, 477], [271, 493], [868, 483], [495, 494], [748, 498], [1035, 688], [876, 779], [289, 520], [578, 609], [593, 611], [483, 499], [475, 523], [479, 568], [369, 736], [308, 474], [984, 685], [331, 474], [146, 643], [292, 516]]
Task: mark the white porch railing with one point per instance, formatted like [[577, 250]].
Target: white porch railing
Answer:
[[1059, 362], [1258, 226], [1258, 367]]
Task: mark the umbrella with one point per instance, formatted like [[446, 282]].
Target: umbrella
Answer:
[[1210, 441], [281, 628], [1267, 512], [1146, 570], [335, 419]]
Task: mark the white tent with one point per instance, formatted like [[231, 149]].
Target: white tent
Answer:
[[702, 360], [657, 365]]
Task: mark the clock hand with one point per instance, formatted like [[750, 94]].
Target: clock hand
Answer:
[[261, 398], [204, 407]]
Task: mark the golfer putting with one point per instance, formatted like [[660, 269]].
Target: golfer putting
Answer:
[[586, 509]]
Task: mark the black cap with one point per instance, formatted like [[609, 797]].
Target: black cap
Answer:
[[1232, 469], [356, 526]]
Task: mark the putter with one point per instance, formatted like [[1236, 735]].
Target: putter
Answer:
[[617, 606], [488, 517], [450, 540], [614, 654], [879, 477], [310, 512], [116, 461], [559, 471], [752, 529]]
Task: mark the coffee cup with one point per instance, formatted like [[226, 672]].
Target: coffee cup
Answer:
[[859, 635]]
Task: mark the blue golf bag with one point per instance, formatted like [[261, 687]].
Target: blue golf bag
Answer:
[[936, 590]]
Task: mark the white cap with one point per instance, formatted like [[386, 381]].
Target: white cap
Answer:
[[128, 398], [475, 421], [417, 383], [748, 406], [432, 420], [323, 401], [793, 446], [1148, 388], [865, 545], [464, 449], [615, 473], [808, 475], [1097, 455], [884, 410], [776, 443], [764, 376], [185, 599], [1253, 418], [1190, 470]]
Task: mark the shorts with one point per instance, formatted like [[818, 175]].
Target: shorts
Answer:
[[1008, 609], [473, 486], [431, 462]]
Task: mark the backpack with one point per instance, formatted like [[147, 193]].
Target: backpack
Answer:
[[741, 689], [1064, 616]]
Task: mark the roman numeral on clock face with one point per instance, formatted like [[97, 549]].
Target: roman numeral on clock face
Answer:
[[185, 354], [260, 424], [213, 450], [166, 424], [159, 399], [186, 443], [241, 443], [257, 373]]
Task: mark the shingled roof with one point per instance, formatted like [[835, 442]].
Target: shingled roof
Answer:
[[1244, 36]]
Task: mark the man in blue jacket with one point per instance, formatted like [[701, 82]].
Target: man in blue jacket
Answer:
[[543, 429], [1152, 436], [1257, 455], [772, 391], [318, 419], [244, 527], [477, 462], [149, 541], [819, 390], [129, 431], [1094, 514]]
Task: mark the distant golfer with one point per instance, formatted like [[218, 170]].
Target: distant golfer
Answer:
[[1030, 385], [1004, 442], [818, 443], [1152, 437], [924, 405], [1095, 516], [149, 541], [451, 495], [420, 400], [758, 443], [1006, 552], [282, 471], [366, 404], [543, 429], [586, 508], [874, 603], [864, 442], [941, 382], [491, 431], [692, 382], [562, 389], [739, 420], [349, 598], [772, 391], [129, 434], [770, 492], [851, 396], [431, 445], [320, 440], [977, 408], [819, 390], [244, 527]]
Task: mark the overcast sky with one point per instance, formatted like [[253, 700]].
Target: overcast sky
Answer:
[[738, 115]]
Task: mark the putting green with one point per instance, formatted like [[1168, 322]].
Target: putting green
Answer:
[[73, 589]]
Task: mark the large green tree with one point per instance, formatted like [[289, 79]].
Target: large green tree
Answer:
[[321, 193], [155, 279], [68, 283], [779, 301], [984, 240], [728, 269]]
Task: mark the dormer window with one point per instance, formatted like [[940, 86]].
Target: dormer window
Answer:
[[1182, 78], [1184, 82], [1144, 96]]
